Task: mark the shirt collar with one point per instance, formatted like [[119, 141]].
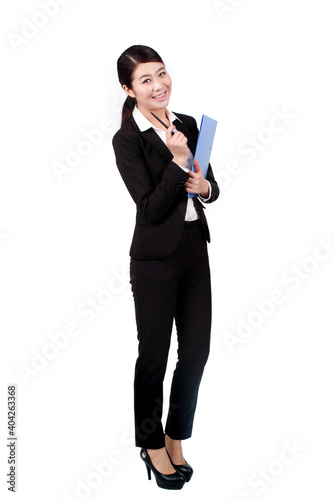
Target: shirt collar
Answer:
[[144, 124]]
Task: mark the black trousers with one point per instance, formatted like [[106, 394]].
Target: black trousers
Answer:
[[176, 287]]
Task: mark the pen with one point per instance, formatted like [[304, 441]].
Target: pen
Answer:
[[166, 126]]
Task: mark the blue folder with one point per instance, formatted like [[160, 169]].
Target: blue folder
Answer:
[[204, 145]]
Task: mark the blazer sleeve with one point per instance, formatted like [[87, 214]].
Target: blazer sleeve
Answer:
[[210, 176], [153, 201]]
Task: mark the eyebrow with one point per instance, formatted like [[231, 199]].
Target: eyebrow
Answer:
[[143, 76]]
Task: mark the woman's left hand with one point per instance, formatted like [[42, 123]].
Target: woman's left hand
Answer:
[[196, 183]]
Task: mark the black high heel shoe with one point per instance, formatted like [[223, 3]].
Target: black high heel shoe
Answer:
[[173, 481], [184, 469]]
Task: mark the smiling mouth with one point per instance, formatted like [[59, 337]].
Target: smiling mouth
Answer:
[[160, 96]]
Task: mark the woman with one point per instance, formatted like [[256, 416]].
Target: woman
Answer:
[[169, 267]]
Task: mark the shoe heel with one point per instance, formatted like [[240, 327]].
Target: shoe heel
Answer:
[[148, 472]]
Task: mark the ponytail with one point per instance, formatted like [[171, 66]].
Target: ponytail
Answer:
[[128, 108]]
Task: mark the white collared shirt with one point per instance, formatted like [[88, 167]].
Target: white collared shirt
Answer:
[[144, 124]]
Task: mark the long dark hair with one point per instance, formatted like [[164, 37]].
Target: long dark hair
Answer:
[[126, 65]]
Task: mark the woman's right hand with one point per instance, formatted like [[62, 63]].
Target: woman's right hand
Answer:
[[177, 144]]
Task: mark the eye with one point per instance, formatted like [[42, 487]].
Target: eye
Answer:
[[162, 73], [146, 80]]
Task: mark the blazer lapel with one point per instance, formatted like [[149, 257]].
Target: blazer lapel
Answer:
[[151, 136], [153, 139], [182, 127]]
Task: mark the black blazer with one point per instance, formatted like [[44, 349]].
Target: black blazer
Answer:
[[156, 185]]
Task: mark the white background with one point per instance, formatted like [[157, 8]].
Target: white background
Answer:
[[64, 240]]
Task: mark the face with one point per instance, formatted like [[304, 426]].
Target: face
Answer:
[[151, 85]]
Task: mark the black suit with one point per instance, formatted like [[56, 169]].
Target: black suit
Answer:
[[155, 183], [170, 278]]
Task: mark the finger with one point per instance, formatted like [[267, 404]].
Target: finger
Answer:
[[173, 135], [190, 185], [169, 130], [178, 135], [197, 166]]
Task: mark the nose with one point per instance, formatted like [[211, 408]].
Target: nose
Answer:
[[157, 85]]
